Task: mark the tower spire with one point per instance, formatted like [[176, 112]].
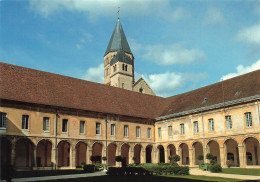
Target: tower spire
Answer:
[[118, 12]]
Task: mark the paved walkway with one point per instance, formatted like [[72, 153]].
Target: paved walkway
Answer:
[[58, 177], [197, 171]]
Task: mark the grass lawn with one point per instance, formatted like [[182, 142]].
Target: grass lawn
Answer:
[[242, 171], [204, 178]]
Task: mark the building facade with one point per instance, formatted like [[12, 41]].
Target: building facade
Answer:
[[49, 120]]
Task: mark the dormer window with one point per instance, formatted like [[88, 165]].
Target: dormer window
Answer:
[[238, 93], [205, 100]]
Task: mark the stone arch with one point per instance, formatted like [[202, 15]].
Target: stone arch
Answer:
[[97, 148], [63, 148], [252, 150], [214, 149], [171, 150], [250, 136], [197, 150], [81, 153], [231, 146], [5, 147], [148, 153], [125, 154], [43, 153], [161, 154], [184, 154], [112, 147], [137, 153], [24, 153]]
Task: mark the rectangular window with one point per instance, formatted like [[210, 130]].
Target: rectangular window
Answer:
[[138, 130], [170, 131], [113, 128], [82, 127], [125, 131], [196, 127], [228, 122], [98, 129], [248, 117], [65, 125], [182, 129], [46, 123], [123, 85], [2, 120], [149, 132], [25, 122], [159, 132], [211, 124]]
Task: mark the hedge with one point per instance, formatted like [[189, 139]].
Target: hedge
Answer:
[[150, 170]]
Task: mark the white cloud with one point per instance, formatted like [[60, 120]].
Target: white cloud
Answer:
[[240, 69], [178, 14], [95, 74], [94, 8], [214, 16], [165, 84], [172, 54], [250, 35]]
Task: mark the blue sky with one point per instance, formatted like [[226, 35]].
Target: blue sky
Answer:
[[178, 45]]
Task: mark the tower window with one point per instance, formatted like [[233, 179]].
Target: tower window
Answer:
[[123, 85], [114, 68], [123, 66], [141, 90]]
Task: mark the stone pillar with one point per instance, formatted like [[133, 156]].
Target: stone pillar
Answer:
[[89, 154], [142, 156], [104, 153], [13, 154], [192, 157], [207, 150], [155, 159], [53, 156], [242, 156], [179, 153], [222, 153], [72, 158], [131, 155], [34, 157], [166, 156]]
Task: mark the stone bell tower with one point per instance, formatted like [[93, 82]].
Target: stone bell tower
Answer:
[[119, 61]]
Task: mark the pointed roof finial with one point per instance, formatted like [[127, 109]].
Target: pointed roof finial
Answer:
[[118, 11]]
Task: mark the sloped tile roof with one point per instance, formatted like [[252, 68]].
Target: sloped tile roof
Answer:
[[33, 86]]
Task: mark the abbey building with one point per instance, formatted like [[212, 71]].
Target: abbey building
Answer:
[[54, 121]]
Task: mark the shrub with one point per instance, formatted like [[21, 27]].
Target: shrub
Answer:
[[215, 168], [119, 158], [176, 158], [93, 158], [104, 158], [200, 157], [229, 163], [89, 168], [209, 156]]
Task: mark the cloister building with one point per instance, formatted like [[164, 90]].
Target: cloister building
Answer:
[[53, 120]]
